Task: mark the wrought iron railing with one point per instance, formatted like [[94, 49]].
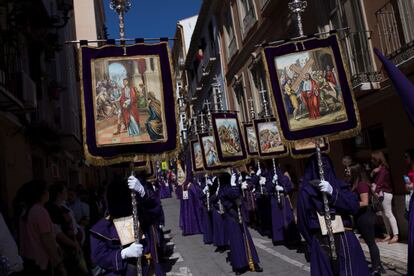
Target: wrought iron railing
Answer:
[[10, 67], [360, 58], [395, 26]]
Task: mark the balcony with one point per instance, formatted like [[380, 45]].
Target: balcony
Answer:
[[10, 65], [395, 25], [361, 63]]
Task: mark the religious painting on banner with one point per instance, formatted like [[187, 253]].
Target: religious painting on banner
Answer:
[[311, 89], [228, 137], [196, 156], [209, 152], [270, 142], [125, 102], [305, 148], [252, 146]]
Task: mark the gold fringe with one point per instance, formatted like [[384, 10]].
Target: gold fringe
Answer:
[[100, 161], [335, 136]]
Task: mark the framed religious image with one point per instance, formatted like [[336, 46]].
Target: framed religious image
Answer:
[[252, 145], [209, 152], [228, 137], [312, 94], [196, 156], [125, 101], [307, 147], [269, 140]]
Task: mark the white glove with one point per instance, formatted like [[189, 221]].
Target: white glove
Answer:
[[233, 180], [244, 185], [205, 190], [135, 184], [279, 188], [132, 251], [209, 182], [325, 187], [248, 177], [214, 178], [262, 180], [259, 172], [275, 178]]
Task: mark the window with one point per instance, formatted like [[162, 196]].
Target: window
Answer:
[[247, 15], [229, 35], [240, 103], [258, 84], [406, 8]]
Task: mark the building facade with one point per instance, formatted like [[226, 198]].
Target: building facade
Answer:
[[40, 124], [243, 25]]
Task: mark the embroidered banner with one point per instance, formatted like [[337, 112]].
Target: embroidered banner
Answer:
[[311, 90], [228, 137], [270, 144], [128, 102], [307, 147]]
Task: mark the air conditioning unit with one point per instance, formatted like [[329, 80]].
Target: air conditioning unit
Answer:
[[28, 88]]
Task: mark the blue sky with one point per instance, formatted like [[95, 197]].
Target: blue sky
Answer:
[[151, 18]]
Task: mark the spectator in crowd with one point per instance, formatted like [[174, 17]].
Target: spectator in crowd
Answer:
[[79, 208], [10, 261], [409, 182], [347, 161], [383, 188], [365, 217], [38, 244], [67, 230]]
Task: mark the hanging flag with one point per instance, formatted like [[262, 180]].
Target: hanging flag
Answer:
[[311, 90], [403, 86], [128, 103]]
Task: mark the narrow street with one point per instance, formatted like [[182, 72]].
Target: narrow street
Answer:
[[197, 259], [191, 257]]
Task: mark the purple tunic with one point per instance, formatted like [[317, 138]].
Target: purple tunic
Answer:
[[220, 238], [263, 210], [106, 247], [242, 249], [342, 202], [283, 221], [191, 223], [165, 191], [207, 219], [410, 263]]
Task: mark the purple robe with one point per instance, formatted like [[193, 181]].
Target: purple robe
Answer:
[[165, 191], [106, 247], [410, 263], [283, 221], [207, 219], [263, 210], [242, 249], [342, 202], [220, 238], [189, 212]]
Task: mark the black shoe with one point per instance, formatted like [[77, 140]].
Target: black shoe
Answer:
[[257, 268]]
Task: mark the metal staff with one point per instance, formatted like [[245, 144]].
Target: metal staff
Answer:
[[267, 114], [121, 7], [208, 194], [327, 214], [261, 186], [135, 221], [275, 181]]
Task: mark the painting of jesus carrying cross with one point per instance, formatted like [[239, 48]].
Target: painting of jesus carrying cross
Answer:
[[312, 94], [311, 90]]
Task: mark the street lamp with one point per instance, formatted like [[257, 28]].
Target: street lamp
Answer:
[[121, 7]]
